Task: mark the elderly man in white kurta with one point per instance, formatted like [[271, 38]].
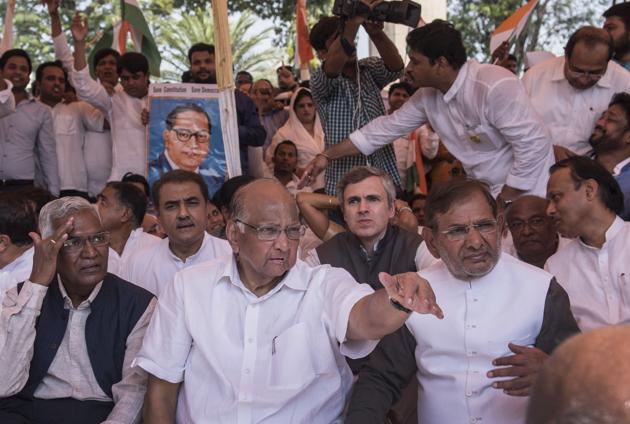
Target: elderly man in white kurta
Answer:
[[571, 92], [481, 113], [260, 337], [502, 318]]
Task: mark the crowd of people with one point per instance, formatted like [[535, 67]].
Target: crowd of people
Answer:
[[406, 243]]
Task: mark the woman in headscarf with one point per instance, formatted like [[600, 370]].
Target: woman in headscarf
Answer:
[[304, 129]]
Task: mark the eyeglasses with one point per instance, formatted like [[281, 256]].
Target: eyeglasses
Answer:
[[264, 92], [269, 233], [459, 232], [577, 73], [75, 244], [535, 223], [184, 135]]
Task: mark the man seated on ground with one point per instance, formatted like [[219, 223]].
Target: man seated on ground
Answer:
[[122, 207], [262, 333], [367, 198], [580, 83], [477, 364], [534, 233], [181, 199], [17, 220], [285, 160], [216, 221], [594, 268], [372, 245], [68, 334], [611, 144], [585, 381]]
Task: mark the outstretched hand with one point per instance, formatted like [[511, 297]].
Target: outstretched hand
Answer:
[[53, 6], [79, 27], [411, 291], [46, 252], [312, 170]]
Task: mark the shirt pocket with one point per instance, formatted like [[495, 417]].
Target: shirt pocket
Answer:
[[66, 124], [292, 365], [481, 138]]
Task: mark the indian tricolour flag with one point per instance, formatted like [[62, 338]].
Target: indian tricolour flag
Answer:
[[133, 23], [512, 27]]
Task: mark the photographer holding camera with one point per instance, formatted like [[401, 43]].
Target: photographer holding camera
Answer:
[[347, 91]]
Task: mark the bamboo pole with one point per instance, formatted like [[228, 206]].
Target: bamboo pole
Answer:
[[225, 81]]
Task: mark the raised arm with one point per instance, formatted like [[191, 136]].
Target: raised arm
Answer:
[[312, 207], [87, 89], [386, 48], [62, 50], [20, 312]]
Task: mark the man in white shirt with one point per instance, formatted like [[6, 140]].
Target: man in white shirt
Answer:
[[181, 200], [71, 121], [502, 318], [404, 147], [122, 108], [481, 113], [534, 234], [578, 84], [594, 268], [122, 207], [258, 336], [97, 147], [17, 220], [611, 144]]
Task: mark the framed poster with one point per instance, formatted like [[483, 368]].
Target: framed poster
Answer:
[[185, 132]]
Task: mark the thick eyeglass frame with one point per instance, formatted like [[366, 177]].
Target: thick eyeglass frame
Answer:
[[460, 232], [184, 135], [289, 231], [76, 244]]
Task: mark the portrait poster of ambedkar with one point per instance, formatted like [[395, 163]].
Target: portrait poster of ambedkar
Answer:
[[185, 132]]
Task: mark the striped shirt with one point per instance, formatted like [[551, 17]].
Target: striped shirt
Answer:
[[345, 105]]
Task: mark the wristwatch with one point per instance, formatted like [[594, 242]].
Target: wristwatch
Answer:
[[348, 48], [398, 306]]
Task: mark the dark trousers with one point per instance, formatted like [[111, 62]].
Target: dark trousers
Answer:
[[18, 410]]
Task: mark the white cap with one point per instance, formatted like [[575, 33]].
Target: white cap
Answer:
[[534, 58]]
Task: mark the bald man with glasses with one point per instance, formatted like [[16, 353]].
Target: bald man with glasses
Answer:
[[571, 92]]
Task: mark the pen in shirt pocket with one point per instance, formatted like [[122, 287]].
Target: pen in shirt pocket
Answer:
[[273, 345]]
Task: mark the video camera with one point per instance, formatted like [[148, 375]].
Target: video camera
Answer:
[[405, 12]]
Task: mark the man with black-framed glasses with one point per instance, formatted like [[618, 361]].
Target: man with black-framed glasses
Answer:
[[259, 336], [502, 318], [571, 92], [69, 332], [187, 138]]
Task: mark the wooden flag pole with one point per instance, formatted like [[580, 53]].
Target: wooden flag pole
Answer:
[[225, 81]]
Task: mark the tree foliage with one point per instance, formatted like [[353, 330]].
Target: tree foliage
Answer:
[[550, 26], [177, 35]]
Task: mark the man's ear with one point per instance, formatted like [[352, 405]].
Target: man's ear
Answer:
[[127, 215], [5, 242], [590, 188], [427, 235], [231, 232]]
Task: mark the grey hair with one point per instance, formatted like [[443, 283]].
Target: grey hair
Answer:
[[60, 209], [360, 173]]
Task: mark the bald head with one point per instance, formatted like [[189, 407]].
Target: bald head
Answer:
[[260, 193], [533, 232], [585, 381]]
